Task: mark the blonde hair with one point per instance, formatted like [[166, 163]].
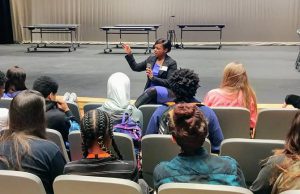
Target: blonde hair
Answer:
[[235, 79]]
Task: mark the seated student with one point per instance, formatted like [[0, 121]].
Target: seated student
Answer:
[[155, 95], [97, 137], [281, 171], [23, 147], [184, 83], [3, 111], [293, 100], [15, 83], [118, 99], [234, 91], [194, 164], [58, 114]]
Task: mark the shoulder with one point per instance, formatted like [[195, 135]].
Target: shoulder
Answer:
[[169, 60], [226, 163], [214, 92], [44, 146], [207, 111], [160, 110]]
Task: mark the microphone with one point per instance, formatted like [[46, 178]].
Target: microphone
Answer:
[[148, 66]]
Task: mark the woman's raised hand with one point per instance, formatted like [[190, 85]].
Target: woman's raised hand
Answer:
[[126, 48]]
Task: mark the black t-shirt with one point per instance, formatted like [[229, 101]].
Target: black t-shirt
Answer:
[[44, 160], [103, 167]]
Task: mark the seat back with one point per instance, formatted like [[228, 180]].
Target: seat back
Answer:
[[56, 137], [274, 123], [5, 103], [194, 188], [91, 106], [157, 148], [147, 110], [249, 153], [76, 184], [234, 121], [16, 182], [291, 192], [123, 141], [75, 110]]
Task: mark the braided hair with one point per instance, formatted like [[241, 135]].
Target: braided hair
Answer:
[[97, 125]]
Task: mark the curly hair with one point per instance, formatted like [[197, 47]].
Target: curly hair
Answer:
[[97, 125], [184, 83], [188, 127]]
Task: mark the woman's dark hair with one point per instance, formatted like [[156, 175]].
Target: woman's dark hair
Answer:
[[292, 141], [16, 78], [188, 127], [26, 121], [165, 43], [3, 79], [184, 83], [45, 85], [97, 126]]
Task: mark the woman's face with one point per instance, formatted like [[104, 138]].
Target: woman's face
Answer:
[[160, 51]]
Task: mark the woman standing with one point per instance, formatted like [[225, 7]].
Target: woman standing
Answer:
[[158, 67]]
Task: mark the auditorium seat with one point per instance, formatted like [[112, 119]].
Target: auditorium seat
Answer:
[[147, 110], [91, 106], [274, 123], [123, 141], [157, 148], [291, 192], [56, 137], [249, 153], [76, 184], [196, 188], [75, 110], [234, 121], [5, 103], [17, 182]]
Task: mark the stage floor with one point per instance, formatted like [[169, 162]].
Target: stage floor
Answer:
[[270, 68]]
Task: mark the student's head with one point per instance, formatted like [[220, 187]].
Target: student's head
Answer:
[[188, 127], [27, 114], [292, 141], [234, 76], [118, 89], [97, 129], [184, 83], [162, 47], [16, 78], [2, 83], [235, 79], [47, 86]]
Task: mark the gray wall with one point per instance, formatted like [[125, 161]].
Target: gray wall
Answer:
[[246, 20]]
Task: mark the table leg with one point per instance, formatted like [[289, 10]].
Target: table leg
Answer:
[[220, 45], [106, 50], [181, 44], [148, 50], [297, 64]]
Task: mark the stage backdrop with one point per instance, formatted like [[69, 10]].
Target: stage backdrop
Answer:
[[245, 20]]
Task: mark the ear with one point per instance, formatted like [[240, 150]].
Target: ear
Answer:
[[51, 96]]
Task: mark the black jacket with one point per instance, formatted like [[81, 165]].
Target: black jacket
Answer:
[[162, 75], [58, 120]]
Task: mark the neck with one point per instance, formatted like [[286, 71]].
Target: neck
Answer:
[[95, 150]]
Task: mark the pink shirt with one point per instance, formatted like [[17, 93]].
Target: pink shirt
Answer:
[[218, 97]]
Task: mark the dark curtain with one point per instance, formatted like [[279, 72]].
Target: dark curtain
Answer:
[[6, 33]]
